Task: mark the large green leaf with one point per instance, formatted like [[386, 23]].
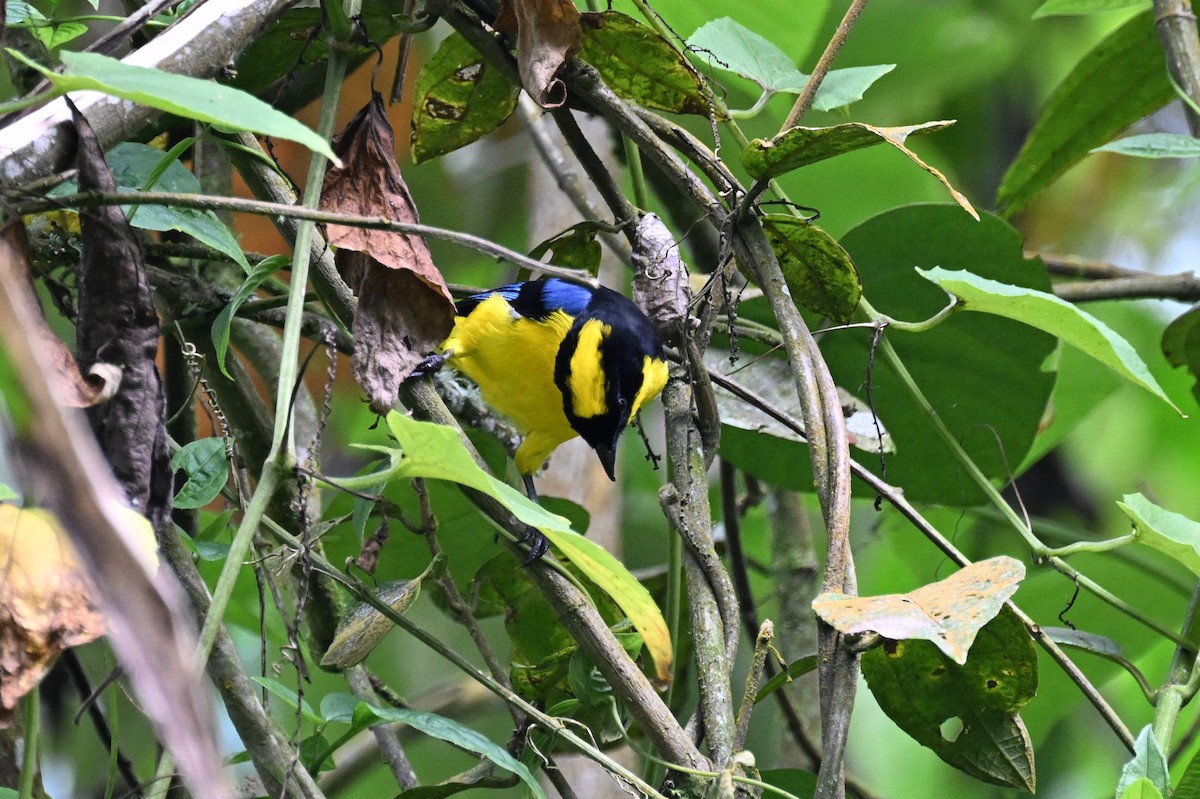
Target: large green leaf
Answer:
[[1122, 80], [1059, 318], [642, 66], [201, 100], [921, 690], [435, 451], [460, 98], [986, 376], [797, 38]]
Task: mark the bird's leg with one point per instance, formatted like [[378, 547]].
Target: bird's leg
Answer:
[[538, 544], [530, 490], [431, 365]]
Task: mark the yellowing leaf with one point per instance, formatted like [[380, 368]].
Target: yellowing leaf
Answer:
[[47, 602], [949, 612], [435, 451], [796, 147]]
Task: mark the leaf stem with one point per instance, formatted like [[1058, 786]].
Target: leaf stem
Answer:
[[32, 734], [261, 208], [804, 101]]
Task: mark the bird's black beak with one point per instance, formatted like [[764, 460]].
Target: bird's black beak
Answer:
[[608, 458]]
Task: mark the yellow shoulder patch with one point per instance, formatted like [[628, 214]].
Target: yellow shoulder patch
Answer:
[[586, 380], [654, 378]]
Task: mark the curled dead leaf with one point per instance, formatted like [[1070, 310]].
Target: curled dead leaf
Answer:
[[405, 308], [549, 34]]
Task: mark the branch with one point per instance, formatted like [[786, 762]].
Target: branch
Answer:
[[1184, 286], [1176, 25], [260, 208], [201, 44], [804, 101]]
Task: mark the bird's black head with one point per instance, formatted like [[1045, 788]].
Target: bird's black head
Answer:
[[608, 365]]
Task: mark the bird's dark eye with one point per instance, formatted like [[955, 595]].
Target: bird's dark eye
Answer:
[[622, 402]]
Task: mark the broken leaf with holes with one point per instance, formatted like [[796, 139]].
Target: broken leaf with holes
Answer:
[[47, 602], [404, 308], [966, 713], [460, 98], [549, 34], [949, 612]]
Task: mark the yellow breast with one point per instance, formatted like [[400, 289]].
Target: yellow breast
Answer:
[[511, 358]]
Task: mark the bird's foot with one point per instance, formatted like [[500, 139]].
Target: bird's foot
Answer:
[[431, 365]]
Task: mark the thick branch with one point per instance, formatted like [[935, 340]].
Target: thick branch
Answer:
[[1176, 25], [200, 45]]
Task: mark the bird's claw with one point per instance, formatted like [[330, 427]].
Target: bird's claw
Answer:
[[431, 365]]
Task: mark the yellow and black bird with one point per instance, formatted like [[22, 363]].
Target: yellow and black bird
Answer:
[[558, 359]]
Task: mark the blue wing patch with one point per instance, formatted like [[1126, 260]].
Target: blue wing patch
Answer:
[[536, 299], [572, 298]]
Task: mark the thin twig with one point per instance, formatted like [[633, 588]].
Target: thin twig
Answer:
[[804, 101], [259, 208], [1184, 286], [1175, 23]]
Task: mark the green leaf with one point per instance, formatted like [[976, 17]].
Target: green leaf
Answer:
[[922, 690], [1171, 533], [729, 45], [1154, 145], [950, 612], [1189, 781], [575, 247], [1052, 8], [1148, 764], [795, 669], [843, 87], [207, 470], [339, 707], [288, 696], [1181, 344], [201, 100], [435, 451], [224, 321], [133, 165], [799, 146], [1122, 80], [451, 732], [819, 273], [1142, 788], [362, 627], [57, 35], [957, 364], [460, 98], [1046, 312], [798, 783], [642, 66]]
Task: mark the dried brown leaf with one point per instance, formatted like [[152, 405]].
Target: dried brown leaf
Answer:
[[399, 320], [404, 306], [47, 602], [549, 33], [118, 325]]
